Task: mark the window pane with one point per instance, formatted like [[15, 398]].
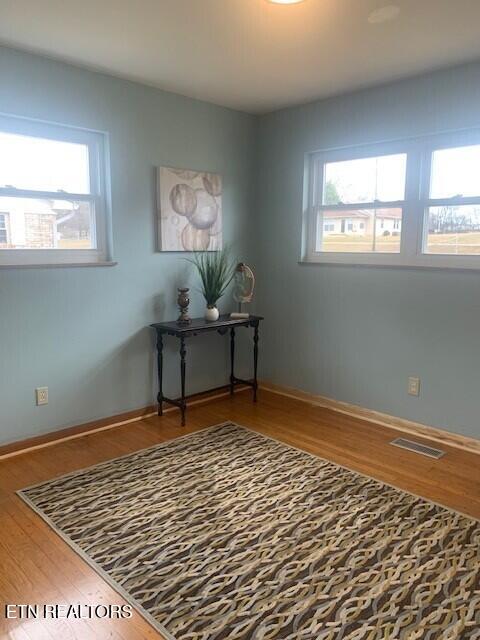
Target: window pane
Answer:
[[360, 231], [365, 180], [3, 229], [455, 172], [453, 230], [43, 165], [46, 224]]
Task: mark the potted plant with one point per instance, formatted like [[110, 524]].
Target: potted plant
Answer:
[[216, 271]]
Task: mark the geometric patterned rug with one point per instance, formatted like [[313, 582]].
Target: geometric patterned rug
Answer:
[[226, 534]]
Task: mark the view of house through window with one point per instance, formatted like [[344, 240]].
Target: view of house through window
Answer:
[[364, 227], [31, 164], [51, 194], [44, 223], [360, 204], [362, 230]]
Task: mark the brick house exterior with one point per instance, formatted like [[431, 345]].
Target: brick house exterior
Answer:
[[28, 223], [40, 230]]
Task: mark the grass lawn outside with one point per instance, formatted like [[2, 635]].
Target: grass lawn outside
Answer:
[[361, 244], [438, 243], [66, 243], [456, 243]]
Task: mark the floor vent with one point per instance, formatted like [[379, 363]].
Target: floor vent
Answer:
[[418, 448]]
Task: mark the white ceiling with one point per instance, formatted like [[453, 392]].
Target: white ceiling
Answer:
[[247, 54]]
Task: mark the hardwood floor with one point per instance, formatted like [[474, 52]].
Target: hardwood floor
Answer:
[[37, 567]]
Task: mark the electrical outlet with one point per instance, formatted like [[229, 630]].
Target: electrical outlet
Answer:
[[413, 386], [41, 395]]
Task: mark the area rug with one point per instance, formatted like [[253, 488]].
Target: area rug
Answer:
[[227, 534]]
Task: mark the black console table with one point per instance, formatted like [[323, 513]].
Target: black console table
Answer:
[[195, 328]]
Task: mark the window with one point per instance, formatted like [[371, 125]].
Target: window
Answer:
[[4, 235], [453, 207], [351, 191], [412, 203], [52, 194]]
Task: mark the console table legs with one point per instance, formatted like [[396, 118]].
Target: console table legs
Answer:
[[182, 333], [183, 402], [160, 373], [232, 360]]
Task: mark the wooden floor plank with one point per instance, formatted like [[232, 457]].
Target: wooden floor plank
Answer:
[[37, 565]]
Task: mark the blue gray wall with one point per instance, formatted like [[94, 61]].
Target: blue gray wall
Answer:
[[353, 333], [82, 331], [350, 333]]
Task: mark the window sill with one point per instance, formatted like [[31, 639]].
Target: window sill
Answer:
[[440, 265], [58, 265]]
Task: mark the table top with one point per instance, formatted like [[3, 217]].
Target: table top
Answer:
[[200, 324]]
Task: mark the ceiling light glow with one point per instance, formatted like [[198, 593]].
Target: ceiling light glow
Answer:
[[285, 1]]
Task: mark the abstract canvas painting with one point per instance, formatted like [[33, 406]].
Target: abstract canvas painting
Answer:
[[190, 210]]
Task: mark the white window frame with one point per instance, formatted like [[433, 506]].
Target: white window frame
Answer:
[[99, 196], [6, 228], [414, 228]]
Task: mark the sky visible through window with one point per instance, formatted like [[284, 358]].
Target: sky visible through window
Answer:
[[366, 179], [456, 172], [40, 164]]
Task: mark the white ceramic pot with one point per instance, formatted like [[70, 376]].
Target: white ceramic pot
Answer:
[[211, 314]]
